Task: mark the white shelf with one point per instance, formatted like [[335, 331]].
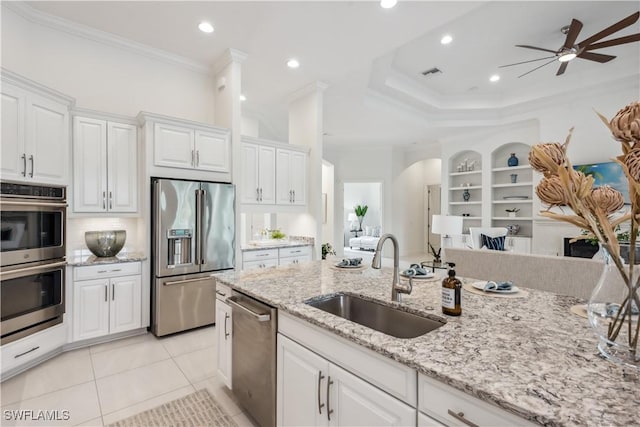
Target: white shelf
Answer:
[[465, 203], [517, 184], [466, 173], [473, 187], [508, 202], [508, 218], [476, 218], [512, 168]]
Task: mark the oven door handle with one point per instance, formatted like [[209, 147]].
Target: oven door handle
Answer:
[[40, 204], [36, 268]]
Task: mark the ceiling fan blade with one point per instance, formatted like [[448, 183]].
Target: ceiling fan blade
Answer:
[[572, 35], [629, 20], [531, 71], [526, 62], [562, 68], [598, 57], [535, 48], [614, 42]]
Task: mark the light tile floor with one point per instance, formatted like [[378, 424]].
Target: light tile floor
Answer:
[[107, 382]]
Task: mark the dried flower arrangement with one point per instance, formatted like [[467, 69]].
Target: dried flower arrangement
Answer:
[[595, 210]]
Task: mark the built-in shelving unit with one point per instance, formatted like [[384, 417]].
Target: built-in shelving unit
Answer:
[[465, 176]]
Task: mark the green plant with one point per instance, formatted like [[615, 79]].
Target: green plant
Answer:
[[327, 249], [277, 234], [361, 210]]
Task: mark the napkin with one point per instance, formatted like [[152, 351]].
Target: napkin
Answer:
[[612, 309], [350, 262], [415, 270], [498, 286]]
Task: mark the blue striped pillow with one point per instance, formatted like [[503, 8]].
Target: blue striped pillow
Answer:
[[493, 243]]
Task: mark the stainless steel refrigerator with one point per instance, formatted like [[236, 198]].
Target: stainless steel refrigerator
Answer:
[[193, 235]]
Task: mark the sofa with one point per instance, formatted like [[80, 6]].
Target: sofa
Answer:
[[368, 241]]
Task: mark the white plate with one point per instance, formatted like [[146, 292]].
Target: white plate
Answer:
[[348, 266], [429, 276], [480, 286]]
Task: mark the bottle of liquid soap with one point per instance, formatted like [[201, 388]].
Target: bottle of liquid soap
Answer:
[[452, 293]]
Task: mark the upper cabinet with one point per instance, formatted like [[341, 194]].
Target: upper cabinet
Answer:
[[273, 173], [35, 132], [105, 165]]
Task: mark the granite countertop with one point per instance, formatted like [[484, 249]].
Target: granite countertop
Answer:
[[84, 258], [529, 356], [286, 244]]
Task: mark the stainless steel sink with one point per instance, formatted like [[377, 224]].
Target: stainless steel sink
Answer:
[[383, 318]]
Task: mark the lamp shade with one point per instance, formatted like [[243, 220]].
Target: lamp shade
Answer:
[[447, 225], [352, 217]]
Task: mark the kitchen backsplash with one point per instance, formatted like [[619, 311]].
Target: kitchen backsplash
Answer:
[[76, 228]]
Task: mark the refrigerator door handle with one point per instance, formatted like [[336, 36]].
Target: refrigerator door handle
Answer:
[[198, 226], [201, 235]]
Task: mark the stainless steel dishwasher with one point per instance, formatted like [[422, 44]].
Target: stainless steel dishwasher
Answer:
[[253, 372]]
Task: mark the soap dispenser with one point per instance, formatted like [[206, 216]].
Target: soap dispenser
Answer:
[[452, 293]]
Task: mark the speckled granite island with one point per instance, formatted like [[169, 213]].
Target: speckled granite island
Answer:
[[529, 356]]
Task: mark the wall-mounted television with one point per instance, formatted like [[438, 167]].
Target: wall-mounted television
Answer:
[[607, 173]]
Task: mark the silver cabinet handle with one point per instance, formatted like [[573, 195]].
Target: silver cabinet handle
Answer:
[[26, 352], [257, 194], [329, 411], [320, 405], [110, 200], [294, 196], [260, 193], [106, 298], [260, 317], [193, 158], [226, 334], [262, 255], [290, 196], [460, 417], [104, 200], [222, 294], [24, 164], [113, 292], [31, 159], [197, 157]]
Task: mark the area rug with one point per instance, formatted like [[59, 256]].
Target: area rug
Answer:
[[195, 409]]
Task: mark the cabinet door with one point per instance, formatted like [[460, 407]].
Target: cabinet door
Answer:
[[301, 385], [426, 421], [212, 152], [299, 177], [122, 155], [355, 402], [47, 141], [126, 309], [13, 162], [173, 146], [250, 187], [284, 190], [89, 165], [90, 309], [223, 330], [519, 245], [267, 174]]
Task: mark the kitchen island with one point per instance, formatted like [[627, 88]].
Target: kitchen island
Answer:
[[529, 356]]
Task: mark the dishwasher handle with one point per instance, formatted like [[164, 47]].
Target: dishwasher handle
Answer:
[[261, 317]]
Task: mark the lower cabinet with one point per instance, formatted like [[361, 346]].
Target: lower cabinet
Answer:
[[26, 350], [107, 300], [224, 348], [315, 392]]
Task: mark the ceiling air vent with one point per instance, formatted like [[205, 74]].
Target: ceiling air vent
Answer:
[[434, 70]]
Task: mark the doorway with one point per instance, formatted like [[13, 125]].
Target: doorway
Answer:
[[367, 194]]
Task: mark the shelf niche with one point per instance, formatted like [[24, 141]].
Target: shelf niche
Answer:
[[465, 173]]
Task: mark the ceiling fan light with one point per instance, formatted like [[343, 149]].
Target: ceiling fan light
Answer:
[[446, 39], [566, 57], [388, 4], [205, 27]]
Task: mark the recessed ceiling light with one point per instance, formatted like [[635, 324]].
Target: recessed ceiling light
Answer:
[[494, 78], [205, 27], [446, 39], [293, 63], [243, 98], [388, 4]]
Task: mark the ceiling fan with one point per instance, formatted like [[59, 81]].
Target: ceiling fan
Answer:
[[571, 50]]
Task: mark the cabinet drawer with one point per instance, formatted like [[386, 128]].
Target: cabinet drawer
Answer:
[[29, 348], [222, 291], [297, 251], [252, 265], [106, 270], [294, 260], [437, 400], [260, 255]]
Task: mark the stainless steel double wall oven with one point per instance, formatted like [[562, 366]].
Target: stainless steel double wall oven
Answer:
[[32, 260]]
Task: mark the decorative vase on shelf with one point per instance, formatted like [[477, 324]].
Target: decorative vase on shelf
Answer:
[[513, 160], [514, 177], [614, 313], [466, 195]]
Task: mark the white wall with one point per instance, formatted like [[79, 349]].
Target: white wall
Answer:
[[103, 77], [328, 190]]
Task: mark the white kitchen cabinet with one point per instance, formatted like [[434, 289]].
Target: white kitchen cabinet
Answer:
[[224, 332], [105, 166], [314, 391], [189, 147], [291, 177], [107, 299], [518, 245], [273, 257], [259, 176], [17, 355], [35, 134], [426, 421], [295, 255]]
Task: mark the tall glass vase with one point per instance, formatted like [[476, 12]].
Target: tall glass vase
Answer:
[[613, 313]]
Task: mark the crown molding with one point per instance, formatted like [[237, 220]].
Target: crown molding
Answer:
[[314, 87], [79, 30], [8, 76], [230, 55]]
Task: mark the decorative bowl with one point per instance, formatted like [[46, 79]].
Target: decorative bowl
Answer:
[[105, 243]]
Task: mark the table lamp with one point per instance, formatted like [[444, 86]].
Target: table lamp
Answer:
[[446, 226], [352, 218]]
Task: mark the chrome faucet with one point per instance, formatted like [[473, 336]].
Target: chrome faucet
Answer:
[[396, 288]]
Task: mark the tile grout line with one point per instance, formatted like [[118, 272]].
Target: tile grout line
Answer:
[[115, 341], [95, 385]]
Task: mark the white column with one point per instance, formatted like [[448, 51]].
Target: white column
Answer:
[[306, 128]]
